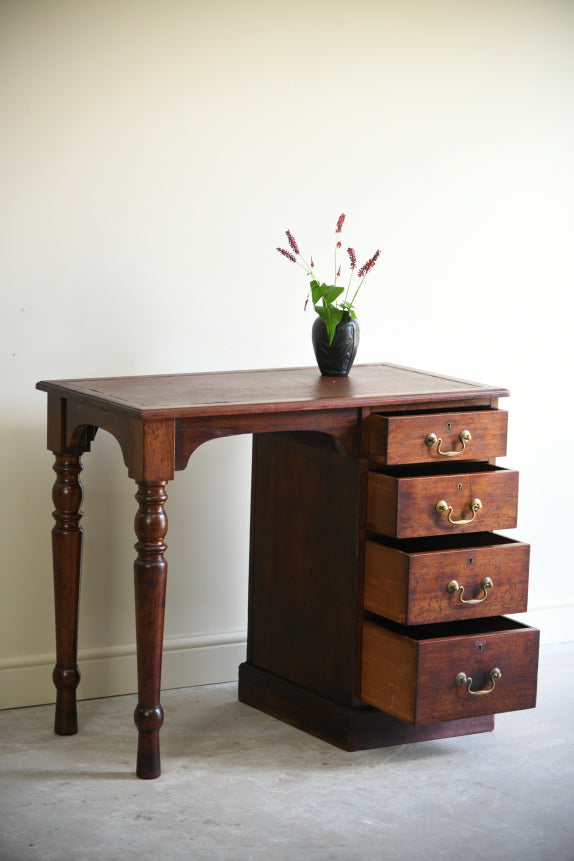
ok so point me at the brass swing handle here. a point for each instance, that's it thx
(442, 507)
(432, 439)
(453, 587)
(462, 679)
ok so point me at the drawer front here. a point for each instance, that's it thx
(435, 677)
(418, 582)
(408, 506)
(433, 437)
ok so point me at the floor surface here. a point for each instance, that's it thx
(237, 784)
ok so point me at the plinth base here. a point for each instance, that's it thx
(349, 728)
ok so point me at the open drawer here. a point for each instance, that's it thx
(444, 672)
(428, 437)
(423, 580)
(441, 499)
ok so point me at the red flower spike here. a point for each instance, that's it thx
(340, 223)
(339, 272)
(287, 254)
(292, 241)
(338, 244)
(353, 256)
(312, 264)
(368, 265)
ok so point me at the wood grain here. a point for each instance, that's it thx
(179, 395)
(303, 564)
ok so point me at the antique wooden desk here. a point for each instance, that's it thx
(375, 578)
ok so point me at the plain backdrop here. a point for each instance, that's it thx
(153, 154)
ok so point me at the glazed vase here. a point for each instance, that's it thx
(336, 359)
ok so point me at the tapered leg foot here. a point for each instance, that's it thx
(66, 680)
(150, 576)
(148, 722)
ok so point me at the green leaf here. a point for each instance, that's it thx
(331, 293)
(331, 317)
(327, 293)
(317, 291)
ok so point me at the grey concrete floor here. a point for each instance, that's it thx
(237, 784)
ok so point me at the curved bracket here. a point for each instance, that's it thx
(83, 436)
(148, 446)
(340, 426)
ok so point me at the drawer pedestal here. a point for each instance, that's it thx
(351, 570)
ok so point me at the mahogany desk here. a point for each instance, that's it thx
(322, 426)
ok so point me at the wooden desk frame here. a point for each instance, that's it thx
(159, 422)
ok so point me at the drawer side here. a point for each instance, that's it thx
(386, 581)
(382, 501)
(389, 671)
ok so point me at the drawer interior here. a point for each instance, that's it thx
(450, 630)
(440, 543)
(436, 410)
(419, 470)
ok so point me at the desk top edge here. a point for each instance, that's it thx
(268, 390)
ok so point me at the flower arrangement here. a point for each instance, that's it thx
(325, 296)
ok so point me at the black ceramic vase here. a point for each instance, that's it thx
(336, 359)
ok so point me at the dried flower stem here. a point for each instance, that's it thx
(364, 271)
(326, 298)
(353, 259)
(338, 229)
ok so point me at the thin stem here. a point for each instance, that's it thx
(348, 287)
(304, 265)
(357, 290)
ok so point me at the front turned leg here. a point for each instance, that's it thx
(67, 536)
(150, 574)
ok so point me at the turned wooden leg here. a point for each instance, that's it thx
(67, 536)
(150, 574)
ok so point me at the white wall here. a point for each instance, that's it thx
(152, 156)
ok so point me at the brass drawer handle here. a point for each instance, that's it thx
(442, 507)
(432, 439)
(462, 679)
(453, 587)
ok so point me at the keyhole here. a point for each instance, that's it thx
(480, 647)
(448, 425)
(459, 488)
(470, 560)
